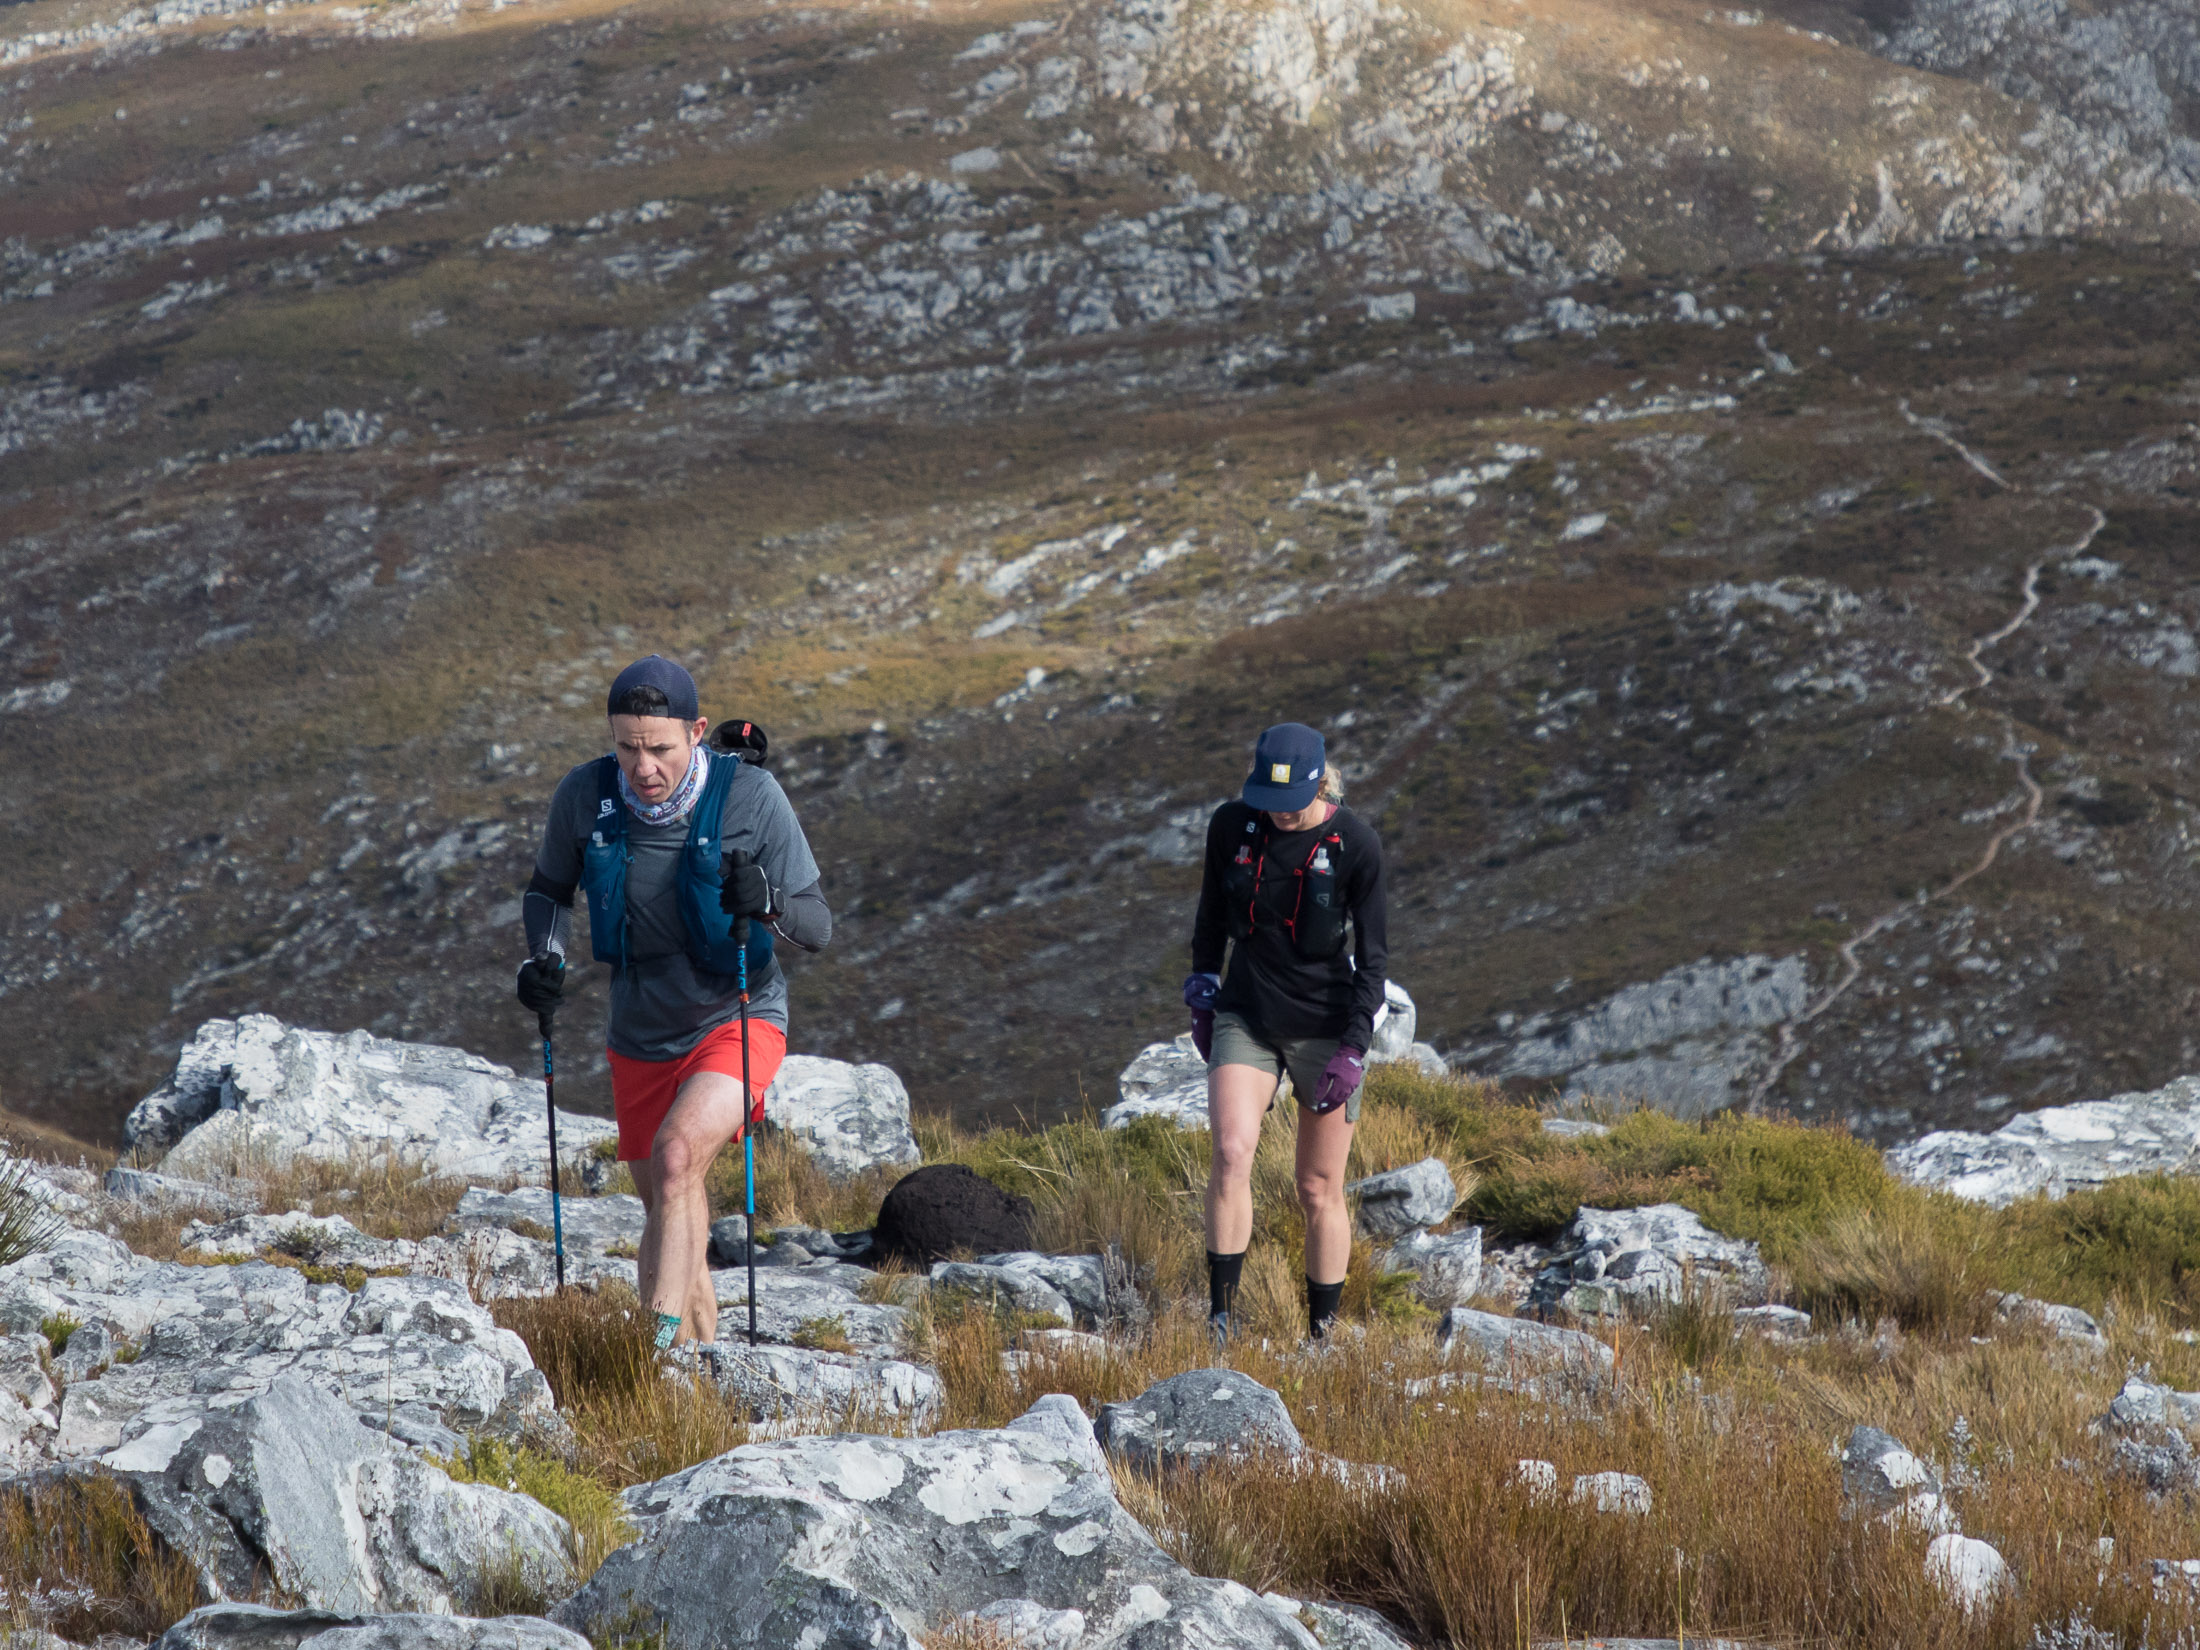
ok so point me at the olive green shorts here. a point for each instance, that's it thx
(1299, 1058)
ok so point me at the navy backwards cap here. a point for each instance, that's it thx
(667, 678)
(1288, 765)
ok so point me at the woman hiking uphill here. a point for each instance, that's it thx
(675, 844)
(1294, 887)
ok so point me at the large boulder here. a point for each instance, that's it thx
(1166, 1080)
(881, 1542)
(2060, 1149)
(592, 1224)
(780, 1383)
(1404, 1200)
(263, 1627)
(289, 1490)
(1193, 1418)
(943, 1207)
(795, 1304)
(1616, 1259)
(257, 1090)
(852, 1118)
(412, 1344)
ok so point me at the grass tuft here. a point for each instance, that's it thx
(78, 1559)
(631, 1421)
(599, 1520)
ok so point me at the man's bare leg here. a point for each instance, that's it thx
(673, 1267)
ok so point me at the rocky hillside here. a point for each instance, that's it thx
(300, 1374)
(1718, 475)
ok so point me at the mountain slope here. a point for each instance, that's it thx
(1013, 407)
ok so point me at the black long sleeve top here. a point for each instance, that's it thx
(1280, 992)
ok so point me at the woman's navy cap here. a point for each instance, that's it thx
(667, 678)
(1288, 765)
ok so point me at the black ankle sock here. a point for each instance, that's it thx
(1222, 1282)
(1321, 1305)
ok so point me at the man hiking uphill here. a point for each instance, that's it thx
(674, 844)
(1294, 885)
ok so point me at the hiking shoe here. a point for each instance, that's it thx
(1218, 1326)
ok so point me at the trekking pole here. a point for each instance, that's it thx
(550, 1100)
(748, 1119)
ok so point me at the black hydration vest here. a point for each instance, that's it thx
(1306, 901)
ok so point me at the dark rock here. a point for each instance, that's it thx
(945, 1207)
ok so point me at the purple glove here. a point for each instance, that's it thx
(1340, 1081)
(1203, 1032)
(1199, 997)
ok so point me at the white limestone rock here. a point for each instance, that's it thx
(880, 1541)
(1200, 1416)
(1522, 1347)
(1399, 1201)
(255, 1090)
(2060, 1149)
(1447, 1268)
(851, 1117)
(287, 1487)
(263, 1627)
(592, 1224)
(1687, 1042)
(1612, 1492)
(782, 1383)
(1395, 1021)
(1612, 1260)
(1165, 1080)
(205, 1333)
(1972, 1573)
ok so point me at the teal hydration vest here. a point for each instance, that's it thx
(710, 941)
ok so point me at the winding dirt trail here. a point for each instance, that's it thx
(1791, 1033)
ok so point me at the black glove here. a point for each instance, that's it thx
(743, 889)
(542, 985)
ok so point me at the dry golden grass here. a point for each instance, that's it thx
(1745, 1487)
(77, 1557)
(791, 1189)
(631, 1423)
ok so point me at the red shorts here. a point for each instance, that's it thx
(642, 1091)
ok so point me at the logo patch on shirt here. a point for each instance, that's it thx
(1279, 773)
(607, 805)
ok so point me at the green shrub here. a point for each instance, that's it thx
(1926, 1261)
(1767, 1179)
(2137, 1238)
